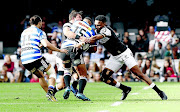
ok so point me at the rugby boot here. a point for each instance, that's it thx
(50, 95)
(67, 93)
(74, 90)
(125, 93)
(82, 97)
(163, 95)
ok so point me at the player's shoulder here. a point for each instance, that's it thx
(67, 25)
(38, 31)
(26, 31)
(106, 30)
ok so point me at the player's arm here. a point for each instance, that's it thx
(93, 39)
(68, 33)
(103, 33)
(47, 44)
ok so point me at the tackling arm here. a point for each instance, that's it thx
(47, 44)
(93, 39)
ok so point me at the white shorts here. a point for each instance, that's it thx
(116, 62)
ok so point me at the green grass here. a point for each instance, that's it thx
(29, 97)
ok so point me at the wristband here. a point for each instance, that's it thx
(77, 37)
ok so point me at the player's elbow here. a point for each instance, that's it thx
(45, 43)
(69, 34)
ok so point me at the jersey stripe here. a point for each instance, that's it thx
(30, 44)
(36, 40)
(88, 34)
(29, 53)
(31, 58)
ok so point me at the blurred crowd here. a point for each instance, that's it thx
(143, 48)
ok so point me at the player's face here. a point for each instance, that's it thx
(99, 25)
(39, 24)
(78, 17)
(87, 21)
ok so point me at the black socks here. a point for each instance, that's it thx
(67, 79)
(156, 89)
(74, 84)
(82, 84)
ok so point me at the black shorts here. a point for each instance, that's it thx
(75, 57)
(40, 64)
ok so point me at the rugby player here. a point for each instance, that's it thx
(73, 87)
(120, 55)
(32, 39)
(74, 57)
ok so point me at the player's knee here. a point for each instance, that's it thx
(51, 72)
(76, 62)
(38, 74)
(67, 71)
(67, 63)
(106, 74)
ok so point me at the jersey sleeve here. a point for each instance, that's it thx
(67, 25)
(42, 35)
(105, 31)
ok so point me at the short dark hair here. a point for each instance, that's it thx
(101, 18)
(102, 59)
(88, 19)
(34, 20)
(74, 13)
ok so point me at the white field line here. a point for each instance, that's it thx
(134, 93)
(104, 111)
(117, 103)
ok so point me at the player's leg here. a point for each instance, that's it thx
(35, 67)
(106, 77)
(80, 68)
(113, 65)
(44, 84)
(132, 65)
(65, 63)
(52, 75)
(75, 83)
(42, 81)
(61, 85)
(135, 70)
(67, 80)
(44, 66)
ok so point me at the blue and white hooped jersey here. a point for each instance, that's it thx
(80, 28)
(30, 44)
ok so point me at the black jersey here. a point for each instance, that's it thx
(111, 41)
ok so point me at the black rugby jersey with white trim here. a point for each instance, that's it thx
(111, 41)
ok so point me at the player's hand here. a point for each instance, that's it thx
(64, 51)
(79, 45)
(91, 40)
(83, 39)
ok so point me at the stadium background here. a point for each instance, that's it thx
(21, 97)
(133, 13)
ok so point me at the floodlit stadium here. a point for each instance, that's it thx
(64, 56)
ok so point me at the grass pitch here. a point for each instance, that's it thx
(29, 97)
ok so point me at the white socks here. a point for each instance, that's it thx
(117, 84)
(152, 85)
